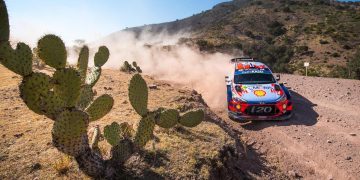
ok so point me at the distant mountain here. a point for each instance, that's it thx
(282, 33)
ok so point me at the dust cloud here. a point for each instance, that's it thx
(160, 56)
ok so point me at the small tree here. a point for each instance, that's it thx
(354, 66)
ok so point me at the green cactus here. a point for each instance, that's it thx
(4, 23)
(51, 49)
(122, 151)
(101, 56)
(18, 60)
(192, 119)
(67, 98)
(85, 98)
(69, 130)
(168, 118)
(83, 62)
(138, 94)
(137, 68)
(62, 97)
(112, 134)
(100, 107)
(134, 63)
(144, 131)
(93, 76)
(67, 84)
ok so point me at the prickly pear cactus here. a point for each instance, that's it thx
(62, 97)
(51, 49)
(168, 118)
(4, 23)
(138, 96)
(67, 98)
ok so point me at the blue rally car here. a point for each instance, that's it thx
(253, 93)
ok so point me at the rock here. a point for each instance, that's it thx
(294, 174)
(18, 135)
(352, 134)
(329, 141)
(348, 158)
(35, 167)
(125, 102)
(153, 86)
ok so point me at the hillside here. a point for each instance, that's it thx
(320, 142)
(191, 153)
(284, 34)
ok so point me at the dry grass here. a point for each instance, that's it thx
(63, 165)
(26, 136)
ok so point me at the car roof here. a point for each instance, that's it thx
(246, 67)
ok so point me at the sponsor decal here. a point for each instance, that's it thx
(259, 93)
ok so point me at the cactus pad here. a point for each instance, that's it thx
(192, 118)
(112, 134)
(83, 61)
(52, 105)
(67, 84)
(134, 63)
(69, 131)
(101, 56)
(100, 107)
(4, 23)
(168, 118)
(138, 69)
(85, 98)
(144, 131)
(138, 94)
(33, 88)
(122, 152)
(126, 130)
(18, 60)
(51, 49)
(93, 76)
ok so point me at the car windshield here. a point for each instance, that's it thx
(254, 78)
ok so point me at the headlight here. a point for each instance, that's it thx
(237, 99)
(283, 98)
(238, 106)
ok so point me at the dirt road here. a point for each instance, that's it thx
(322, 140)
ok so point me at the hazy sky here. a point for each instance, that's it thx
(92, 19)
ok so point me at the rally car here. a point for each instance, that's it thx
(253, 93)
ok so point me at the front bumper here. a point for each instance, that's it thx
(243, 117)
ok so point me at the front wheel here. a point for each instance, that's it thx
(238, 120)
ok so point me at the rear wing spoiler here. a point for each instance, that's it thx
(242, 59)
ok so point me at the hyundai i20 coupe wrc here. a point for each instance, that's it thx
(253, 93)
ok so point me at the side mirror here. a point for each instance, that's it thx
(227, 80)
(278, 77)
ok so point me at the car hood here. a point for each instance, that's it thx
(257, 92)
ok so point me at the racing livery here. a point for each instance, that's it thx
(253, 93)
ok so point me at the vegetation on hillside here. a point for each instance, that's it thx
(284, 33)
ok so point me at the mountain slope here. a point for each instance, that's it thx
(322, 32)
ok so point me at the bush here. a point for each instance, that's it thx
(322, 41)
(249, 34)
(354, 66)
(347, 47)
(204, 44)
(335, 54)
(276, 28)
(302, 48)
(287, 9)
